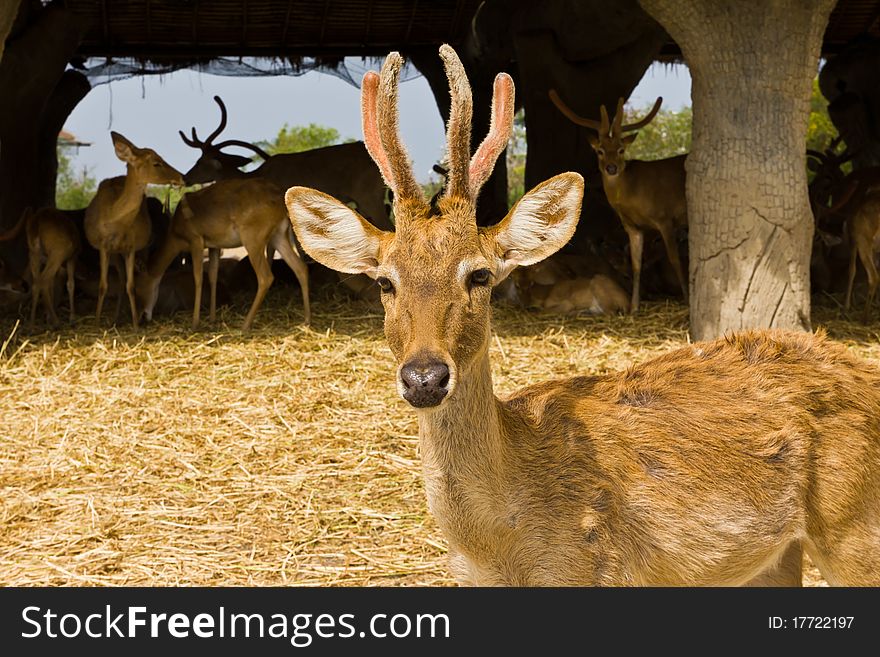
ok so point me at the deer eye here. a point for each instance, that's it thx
(601, 152)
(480, 277)
(385, 284)
(620, 151)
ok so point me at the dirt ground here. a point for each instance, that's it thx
(166, 457)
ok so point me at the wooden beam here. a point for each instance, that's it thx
(456, 18)
(195, 23)
(106, 22)
(370, 4)
(244, 20)
(149, 20)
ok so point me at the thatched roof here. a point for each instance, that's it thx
(202, 29)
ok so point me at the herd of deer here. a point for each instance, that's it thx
(718, 463)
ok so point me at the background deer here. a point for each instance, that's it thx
(644, 194)
(53, 242)
(344, 171)
(117, 221)
(231, 213)
(704, 466)
(863, 229)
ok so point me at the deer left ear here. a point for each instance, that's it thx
(630, 138)
(539, 224)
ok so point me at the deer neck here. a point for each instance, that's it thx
(132, 196)
(463, 455)
(616, 186)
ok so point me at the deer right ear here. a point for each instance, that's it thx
(334, 234)
(125, 150)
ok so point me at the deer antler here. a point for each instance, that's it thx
(195, 142)
(458, 131)
(572, 116)
(243, 144)
(643, 122)
(405, 186)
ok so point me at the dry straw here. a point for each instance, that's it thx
(165, 457)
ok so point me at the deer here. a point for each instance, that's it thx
(711, 464)
(53, 242)
(246, 212)
(343, 170)
(554, 287)
(644, 194)
(863, 229)
(117, 221)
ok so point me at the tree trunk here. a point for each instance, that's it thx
(8, 12)
(37, 95)
(752, 64)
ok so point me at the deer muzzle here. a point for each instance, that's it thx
(424, 382)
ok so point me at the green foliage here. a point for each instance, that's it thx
(516, 160)
(294, 139)
(667, 135)
(820, 130)
(74, 187)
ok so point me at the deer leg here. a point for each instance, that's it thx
(270, 253)
(129, 286)
(636, 244)
(213, 270)
(71, 270)
(119, 264)
(300, 270)
(667, 232)
(102, 285)
(854, 250)
(866, 255)
(34, 262)
(47, 282)
(257, 255)
(197, 251)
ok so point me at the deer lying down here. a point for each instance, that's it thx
(552, 287)
(703, 466)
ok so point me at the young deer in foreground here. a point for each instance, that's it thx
(230, 213)
(709, 465)
(644, 194)
(117, 221)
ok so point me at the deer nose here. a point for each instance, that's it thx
(424, 382)
(611, 169)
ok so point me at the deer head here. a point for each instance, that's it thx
(145, 164)
(611, 141)
(214, 164)
(436, 271)
(828, 174)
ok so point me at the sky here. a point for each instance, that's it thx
(149, 111)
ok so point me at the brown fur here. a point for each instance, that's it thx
(647, 195)
(117, 220)
(712, 464)
(230, 213)
(552, 286)
(53, 242)
(864, 238)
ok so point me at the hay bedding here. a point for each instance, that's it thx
(164, 457)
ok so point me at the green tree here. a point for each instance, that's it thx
(516, 160)
(297, 138)
(667, 135)
(74, 186)
(820, 130)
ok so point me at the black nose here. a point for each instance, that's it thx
(424, 382)
(611, 169)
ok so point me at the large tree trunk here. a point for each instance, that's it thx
(752, 63)
(37, 95)
(8, 12)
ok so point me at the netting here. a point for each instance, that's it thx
(349, 69)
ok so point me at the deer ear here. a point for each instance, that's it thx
(334, 234)
(539, 224)
(125, 150)
(235, 161)
(630, 138)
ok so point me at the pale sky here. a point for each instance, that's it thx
(150, 111)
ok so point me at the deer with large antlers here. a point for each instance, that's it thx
(117, 221)
(646, 195)
(228, 214)
(708, 465)
(344, 171)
